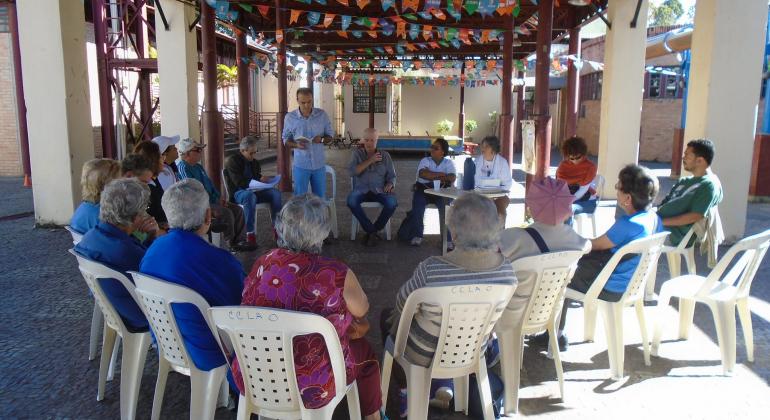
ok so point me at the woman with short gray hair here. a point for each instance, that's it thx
(186, 205)
(297, 278)
(475, 260)
(111, 242)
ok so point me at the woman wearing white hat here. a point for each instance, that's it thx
(169, 174)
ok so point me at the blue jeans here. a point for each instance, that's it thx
(389, 204)
(420, 200)
(250, 199)
(315, 177)
(582, 207)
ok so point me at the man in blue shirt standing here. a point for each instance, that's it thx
(304, 130)
(183, 257)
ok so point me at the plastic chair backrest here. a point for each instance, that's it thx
(330, 170)
(155, 297)
(741, 274)
(92, 271)
(468, 314)
(76, 236)
(263, 342)
(599, 182)
(649, 249)
(553, 270)
(224, 184)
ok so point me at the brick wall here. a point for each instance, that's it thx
(10, 154)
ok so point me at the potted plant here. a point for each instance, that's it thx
(470, 125)
(444, 127)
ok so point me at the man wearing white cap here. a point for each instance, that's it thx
(224, 212)
(167, 145)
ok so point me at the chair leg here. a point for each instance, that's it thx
(686, 313)
(724, 320)
(482, 381)
(554, 344)
(244, 411)
(97, 319)
(589, 321)
(510, 347)
(108, 342)
(593, 224)
(204, 390)
(689, 259)
(387, 230)
(748, 334)
(674, 264)
(354, 403)
(643, 327)
(661, 308)
(223, 399)
(387, 366)
(160, 387)
(613, 325)
(114, 359)
(353, 228)
(134, 354)
(461, 393)
(418, 394)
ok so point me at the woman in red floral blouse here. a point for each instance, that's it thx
(296, 277)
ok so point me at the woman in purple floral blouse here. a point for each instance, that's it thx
(296, 277)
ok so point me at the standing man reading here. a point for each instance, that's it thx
(373, 180)
(304, 130)
(693, 196)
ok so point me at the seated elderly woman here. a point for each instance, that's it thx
(183, 257)
(476, 228)
(493, 170)
(151, 152)
(579, 173)
(296, 277)
(550, 203)
(121, 210)
(636, 189)
(95, 175)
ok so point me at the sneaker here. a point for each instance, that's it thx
(243, 246)
(251, 238)
(492, 354)
(450, 246)
(416, 241)
(541, 340)
(402, 398)
(443, 398)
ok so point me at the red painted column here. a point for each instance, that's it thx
(241, 52)
(371, 96)
(521, 90)
(213, 126)
(461, 116)
(21, 105)
(542, 74)
(283, 105)
(105, 90)
(573, 82)
(506, 106)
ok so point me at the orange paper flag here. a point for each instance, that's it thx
(438, 14)
(409, 4)
(427, 32)
(485, 36)
(294, 16)
(372, 34)
(388, 50)
(328, 19)
(362, 3)
(401, 29)
(433, 45)
(343, 2)
(342, 34)
(411, 47)
(464, 36)
(491, 65)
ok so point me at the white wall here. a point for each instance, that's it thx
(423, 106)
(268, 93)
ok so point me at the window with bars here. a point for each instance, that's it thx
(663, 83)
(4, 24)
(361, 98)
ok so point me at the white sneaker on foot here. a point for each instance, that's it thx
(416, 241)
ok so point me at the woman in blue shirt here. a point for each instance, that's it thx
(95, 175)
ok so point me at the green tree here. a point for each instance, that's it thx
(666, 14)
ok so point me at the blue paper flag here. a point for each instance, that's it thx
(487, 7)
(414, 30)
(455, 43)
(386, 4)
(313, 18)
(345, 22)
(357, 34)
(425, 15)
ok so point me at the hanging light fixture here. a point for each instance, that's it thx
(580, 3)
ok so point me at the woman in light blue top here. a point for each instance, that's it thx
(95, 175)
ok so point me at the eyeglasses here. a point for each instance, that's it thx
(575, 157)
(197, 149)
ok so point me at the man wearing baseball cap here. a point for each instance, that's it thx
(166, 144)
(224, 212)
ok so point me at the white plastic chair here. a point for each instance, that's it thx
(262, 339)
(649, 250)
(580, 220)
(156, 297)
(722, 292)
(468, 314)
(551, 274)
(257, 208)
(674, 255)
(331, 202)
(366, 205)
(135, 345)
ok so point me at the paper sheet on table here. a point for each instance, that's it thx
(255, 185)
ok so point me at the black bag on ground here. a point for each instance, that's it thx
(474, 399)
(408, 228)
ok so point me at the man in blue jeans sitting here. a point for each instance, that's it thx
(304, 130)
(373, 180)
(240, 170)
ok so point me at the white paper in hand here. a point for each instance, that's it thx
(255, 185)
